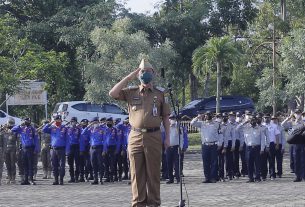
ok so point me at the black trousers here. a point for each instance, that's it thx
(97, 161)
(73, 158)
(28, 162)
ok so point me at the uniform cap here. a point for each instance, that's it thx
(117, 119)
(248, 112)
(103, 119)
(145, 64)
(109, 119)
(57, 117)
(11, 121)
(74, 119)
(298, 111)
(84, 121)
(27, 119)
(94, 119)
(232, 113)
(218, 115)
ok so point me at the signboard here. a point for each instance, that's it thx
(30, 93)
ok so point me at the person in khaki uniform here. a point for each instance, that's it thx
(148, 107)
(10, 154)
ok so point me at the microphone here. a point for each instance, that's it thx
(162, 73)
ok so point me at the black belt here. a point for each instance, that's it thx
(146, 130)
(58, 148)
(96, 146)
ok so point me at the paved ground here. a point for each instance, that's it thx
(281, 192)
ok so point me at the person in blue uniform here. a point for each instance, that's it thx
(111, 150)
(96, 134)
(122, 156)
(73, 134)
(30, 146)
(184, 147)
(60, 147)
(126, 131)
(85, 163)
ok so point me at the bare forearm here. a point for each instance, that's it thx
(115, 91)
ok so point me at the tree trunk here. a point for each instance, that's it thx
(207, 85)
(193, 86)
(218, 65)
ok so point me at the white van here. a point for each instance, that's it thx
(4, 118)
(86, 110)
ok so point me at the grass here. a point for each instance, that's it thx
(194, 141)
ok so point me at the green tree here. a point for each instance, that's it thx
(219, 52)
(119, 51)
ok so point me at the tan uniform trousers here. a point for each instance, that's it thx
(145, 159)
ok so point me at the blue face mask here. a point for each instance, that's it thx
(146, 77)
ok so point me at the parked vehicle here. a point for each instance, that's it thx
(4, 117)
(227, 104)
(87, 110)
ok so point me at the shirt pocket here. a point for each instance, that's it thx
(135, 105)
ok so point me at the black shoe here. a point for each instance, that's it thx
(213, 181)
(297, 180)
(61, 182)
(107, 180)
(25, 183)
(91, 177)
(258, 180)
(81, 180)
(280, 176)
(55, 182)
(72, 180)
(250, 181)
(101, 182)
(115, 179)
(94, 182)
(170, 182)
(206, 181)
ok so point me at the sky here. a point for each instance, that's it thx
(142, 6)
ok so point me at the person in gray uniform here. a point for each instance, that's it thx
(10, 154)
(45, 141)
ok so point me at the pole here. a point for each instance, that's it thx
(273, 71)
(176, 111)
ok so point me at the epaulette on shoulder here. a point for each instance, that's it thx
(160, 89)
(131, 88)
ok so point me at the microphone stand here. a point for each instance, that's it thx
(176, 111)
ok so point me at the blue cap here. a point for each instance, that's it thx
(74, 119)
(57, 117)
(94, 119)
(110, 119)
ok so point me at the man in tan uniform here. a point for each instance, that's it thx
(148, 107)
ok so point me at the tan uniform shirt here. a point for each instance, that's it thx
(146, 106)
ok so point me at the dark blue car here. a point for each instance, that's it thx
(227, 104)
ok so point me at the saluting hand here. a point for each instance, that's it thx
(133, 75)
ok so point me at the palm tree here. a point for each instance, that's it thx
(219, 51)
